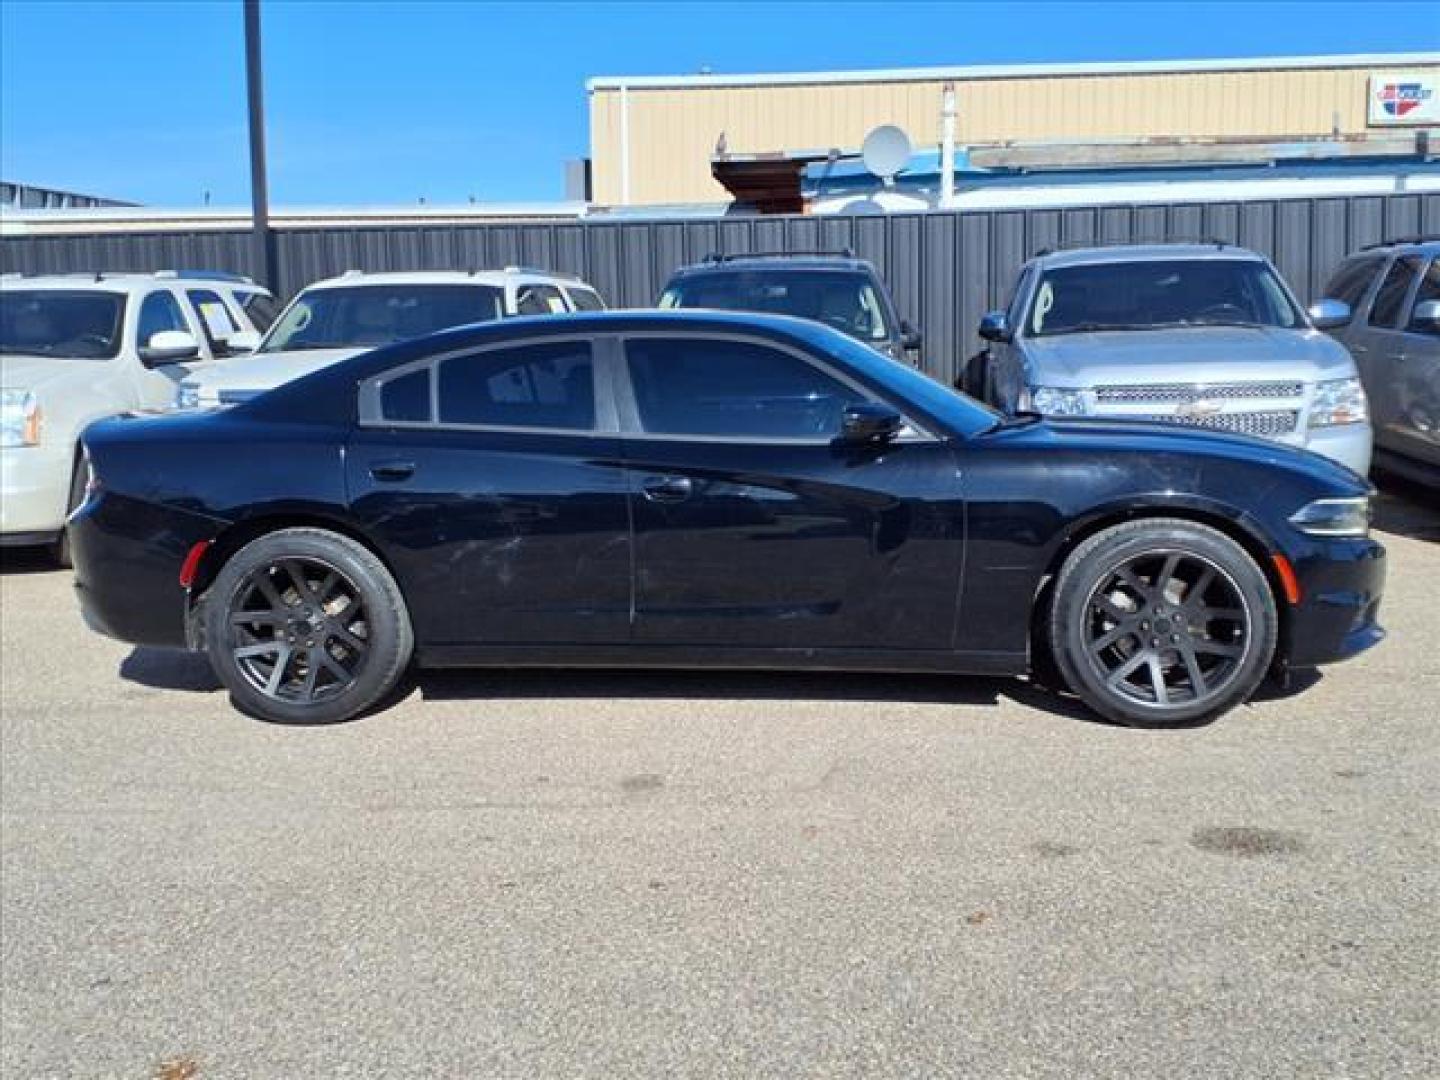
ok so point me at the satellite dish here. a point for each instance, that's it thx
(886, 151)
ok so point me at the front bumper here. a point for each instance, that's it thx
(34, 487)
(1341, 582)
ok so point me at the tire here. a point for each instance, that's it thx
(1162, 623)
(60, 547)
(320, 608)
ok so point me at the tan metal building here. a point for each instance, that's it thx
(652, 137)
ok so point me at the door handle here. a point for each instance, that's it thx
(667, 489)
(392, 470)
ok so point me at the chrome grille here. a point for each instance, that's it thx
(1195, 391)
(1265, 424)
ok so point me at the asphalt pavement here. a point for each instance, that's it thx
(558, 874)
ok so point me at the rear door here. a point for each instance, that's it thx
(755, 529)
(1415, 426)
(1376, 345)
(492, 477)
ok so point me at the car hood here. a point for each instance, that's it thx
(21, 372)
(264, 371)
(1210, 354)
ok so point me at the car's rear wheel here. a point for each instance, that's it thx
(1162, 623)
(307, 626)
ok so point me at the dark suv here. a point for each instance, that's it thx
(833, 288)
(1393, 291)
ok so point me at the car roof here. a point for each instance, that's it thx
(1123, 253)
(492, 278)
(1423, 245)
(721, 264)
(126, 282)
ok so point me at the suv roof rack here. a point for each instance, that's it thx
(206, 275)
(1418, 239)
(561, 274)
(1075, 245)
(723, 257)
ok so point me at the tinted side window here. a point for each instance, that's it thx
(260, 309)
(538, 386)
(1352, 279)
(1385, 311)
(538, 300)
(160, 311)
(586, 300)
(406, 398)
(1429, 290)
(692, 386)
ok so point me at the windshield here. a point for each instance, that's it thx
(846, 301)
(1151, 294)
(370, 315)
(61, 322)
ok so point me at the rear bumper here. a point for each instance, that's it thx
(1341, 582)
(127, 557)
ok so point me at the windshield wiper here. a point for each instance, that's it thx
(1094, 327)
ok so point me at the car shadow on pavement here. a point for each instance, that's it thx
(27, 560)
(169, 669)
(1405, 508)
(176, 669)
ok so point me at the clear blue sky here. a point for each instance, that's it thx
(388, 102)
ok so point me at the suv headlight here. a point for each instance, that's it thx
(1054, 401)
(186, 397)
(19, 418)
(1339, 401)
(1334, 517)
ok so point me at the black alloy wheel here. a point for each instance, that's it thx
(299, 630)
(1162, 623)
(305, 625)
(1167, 628)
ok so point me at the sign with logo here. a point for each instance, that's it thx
(1399, 98)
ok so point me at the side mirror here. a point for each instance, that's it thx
(241, 342)
(169, 346)
(995, 326)
(1426, 316)
(910, 338)
(870, 422)
(1328, 314)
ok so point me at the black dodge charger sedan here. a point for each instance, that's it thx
(687, 489)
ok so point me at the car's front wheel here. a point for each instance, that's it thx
(1162, 623)
(307, 626)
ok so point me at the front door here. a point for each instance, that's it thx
(755, 528)
(495, 485)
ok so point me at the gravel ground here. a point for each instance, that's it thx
(523, 874)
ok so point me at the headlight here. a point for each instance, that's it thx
(1053, 401)
(1334, 517)
(19, 418)
(1339, 401)
(187, 397)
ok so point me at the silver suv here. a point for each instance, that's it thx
(1206, 335)
(1394, 292)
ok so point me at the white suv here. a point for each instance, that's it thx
(78, 347)
(341, 317)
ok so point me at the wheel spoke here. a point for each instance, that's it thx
(277, 673)
(1192, 667)
(346, 638)
(1138, 587)
(1123, 671)
(1111, 636)
(1206, 614)
(302, 587)
(257, 618)
(334, 666)
(263, 648)
(271, 594)
(1196, 595)
(312, 674)
(1157, 680)
(323, 592)
(1167, 573)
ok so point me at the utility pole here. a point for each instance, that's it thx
(263, 241)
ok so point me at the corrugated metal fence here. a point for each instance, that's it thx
(946, 269)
